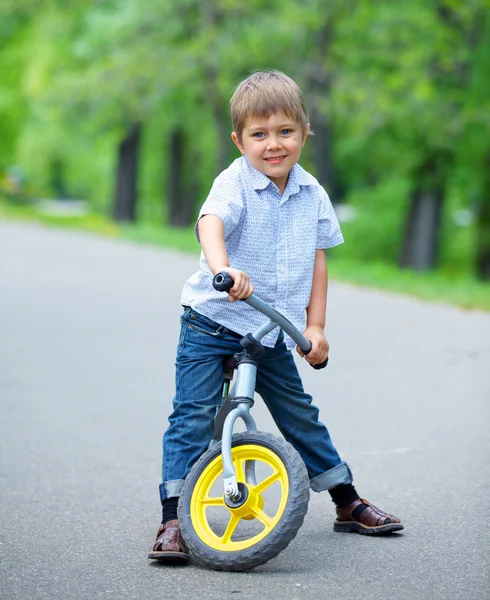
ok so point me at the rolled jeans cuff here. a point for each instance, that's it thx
(171, 489)
(331, 478)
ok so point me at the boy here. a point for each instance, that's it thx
(266, 222)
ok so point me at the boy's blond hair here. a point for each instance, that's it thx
(264, 93)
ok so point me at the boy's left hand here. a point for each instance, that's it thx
(319, 345)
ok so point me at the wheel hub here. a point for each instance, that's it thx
(248, 503)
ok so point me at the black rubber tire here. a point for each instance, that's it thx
(279, 537)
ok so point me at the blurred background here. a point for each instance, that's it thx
(114, 116)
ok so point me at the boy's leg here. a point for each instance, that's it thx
(199, 377)
(279, 384)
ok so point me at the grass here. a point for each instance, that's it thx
(460, 290)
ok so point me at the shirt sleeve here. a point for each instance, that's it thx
(225, 201)
(328, 233)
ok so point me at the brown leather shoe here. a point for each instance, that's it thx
(370, 521)
(169, 545)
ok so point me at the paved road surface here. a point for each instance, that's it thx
(88, 329)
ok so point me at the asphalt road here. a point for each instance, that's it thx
(88, 329)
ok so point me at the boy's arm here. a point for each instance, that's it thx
(212, 238)
(317, 308)
(316, 312)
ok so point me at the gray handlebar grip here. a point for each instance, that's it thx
(222, 282)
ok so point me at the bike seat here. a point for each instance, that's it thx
(229, 363)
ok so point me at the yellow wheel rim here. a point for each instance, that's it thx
(253, 508)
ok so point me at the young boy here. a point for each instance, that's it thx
(266, 222)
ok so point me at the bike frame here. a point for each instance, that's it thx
(243, 393)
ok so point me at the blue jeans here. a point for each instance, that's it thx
(199, 379)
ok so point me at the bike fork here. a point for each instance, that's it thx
(243, 392)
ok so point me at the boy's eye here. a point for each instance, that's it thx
(286, 131)
(259, 134)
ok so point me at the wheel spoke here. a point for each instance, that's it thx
(218, 501)
(268, 481)
(230, 528)
(262, 517)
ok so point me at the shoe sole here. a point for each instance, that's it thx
(353, 527)
(170, 557)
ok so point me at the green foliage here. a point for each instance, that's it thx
(398, 82)
(378, 224)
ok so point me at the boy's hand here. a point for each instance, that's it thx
(319, 345)
(242, 288)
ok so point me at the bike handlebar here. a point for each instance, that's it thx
(223, 282)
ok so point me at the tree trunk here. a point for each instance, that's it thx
(483, 227)
(221, 119)
(322, 147)
(420, 247)
(211, 19)
(180, 196)
(57, 183)
(125, 199)
(421, 241)
(319, 84)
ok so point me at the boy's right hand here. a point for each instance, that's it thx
(242, 287)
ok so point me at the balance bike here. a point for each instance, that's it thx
(246, 497)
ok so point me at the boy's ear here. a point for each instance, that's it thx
(306, 134)
(234, 137)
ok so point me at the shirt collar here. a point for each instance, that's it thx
(259, 180)
(297, 177)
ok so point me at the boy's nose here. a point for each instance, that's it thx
(273, 143)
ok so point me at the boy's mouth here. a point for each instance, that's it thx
(275, 159)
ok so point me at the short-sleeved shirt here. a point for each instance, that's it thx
(269, 236)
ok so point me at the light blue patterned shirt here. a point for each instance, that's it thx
(272, 238)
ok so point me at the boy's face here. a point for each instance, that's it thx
(272, 146)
